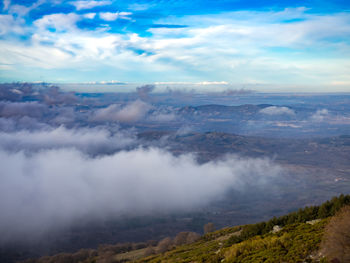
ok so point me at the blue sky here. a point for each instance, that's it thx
(286, 44)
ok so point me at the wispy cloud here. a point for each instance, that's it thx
(108, 16)
(88, 4)
(23, 10)
(6, 4)
(90, 141)
(59, 22)
(268, 47)
(10, 24)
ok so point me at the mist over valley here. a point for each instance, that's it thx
(81, 169)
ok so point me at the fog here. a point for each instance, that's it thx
(15, 109)
(131, 112)
(144, 91)
(46, 190)
(91, 141)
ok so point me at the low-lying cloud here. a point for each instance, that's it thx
(47, 94)
(21, 123)
(144, 91)
(15, 109)
(319, 115)
(131, 112)
(49, 189)
(91, 141)
(274, 110)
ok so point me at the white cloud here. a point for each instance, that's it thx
(108, 16)
(246, 48)
(131, 112)
(162, 117)
(9, 24)
(319, 115)
(37, 56)
(274, 110)
(60, 22)
(287, 124)
(80, 5)
(50, 189)
(22, 10)
(6, 4)
(89, 141)
(140, 7)
(16, 109)
(90, 15)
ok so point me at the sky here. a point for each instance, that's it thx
(284, 44)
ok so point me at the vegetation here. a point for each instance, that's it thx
(312, 234)
(336, 242)
(325, 210)
(295, 243)
(208, 228)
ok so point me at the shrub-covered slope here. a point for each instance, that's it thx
(295, 237)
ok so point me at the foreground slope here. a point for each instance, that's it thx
(295, 237)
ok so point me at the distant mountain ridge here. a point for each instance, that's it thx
(327, 152)
(214, 109)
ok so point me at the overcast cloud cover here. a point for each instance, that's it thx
(249, 42)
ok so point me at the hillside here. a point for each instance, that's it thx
(307, 235)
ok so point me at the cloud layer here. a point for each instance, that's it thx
(66, 157)
(53, 176)
(91, 141)
(102, 40)
(275, 110)
(131, 112)
(51, 189)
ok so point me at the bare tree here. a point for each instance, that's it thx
(192, 237)
(106, 257)
(149, 251)
(180, 238)
(209, 228)
(164, 245)
(336, 241)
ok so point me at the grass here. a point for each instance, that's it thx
(131, 255)
(294, 243)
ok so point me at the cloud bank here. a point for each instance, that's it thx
(18, 109)
(50, 189)
(274, 110)
(131, 112)
(91, 141)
